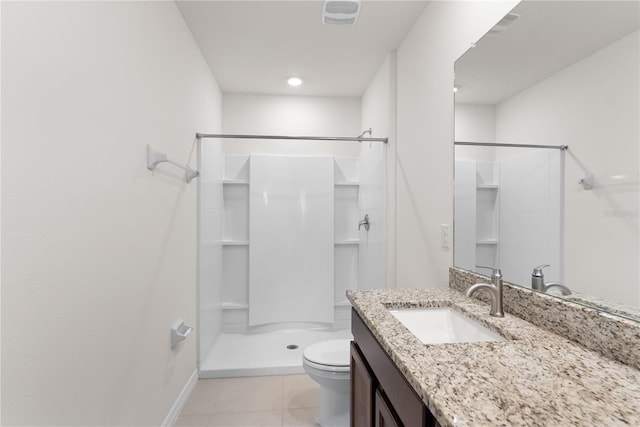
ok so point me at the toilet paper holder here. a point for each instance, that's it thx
(179, 332)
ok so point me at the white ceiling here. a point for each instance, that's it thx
(252, 46)
(549, 36)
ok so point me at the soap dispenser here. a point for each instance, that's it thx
(537, 278)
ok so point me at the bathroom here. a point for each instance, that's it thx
(99, 254)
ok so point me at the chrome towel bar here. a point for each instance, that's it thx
(155, 157)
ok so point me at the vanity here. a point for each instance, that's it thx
(526, 149)
(533, 377)
(380, 394)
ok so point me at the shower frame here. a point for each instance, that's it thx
(203, 136)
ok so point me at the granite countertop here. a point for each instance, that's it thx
(535, 378)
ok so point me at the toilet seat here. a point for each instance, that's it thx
(331, 355)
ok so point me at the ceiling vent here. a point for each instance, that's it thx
(340, 12)
(504, 24)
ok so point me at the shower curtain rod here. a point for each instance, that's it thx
(500, 144)
(311, 138)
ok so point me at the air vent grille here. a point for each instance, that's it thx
(504, 23)
(340, 12)
(348, 7)
(339, 21)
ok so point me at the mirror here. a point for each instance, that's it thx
(553, 74)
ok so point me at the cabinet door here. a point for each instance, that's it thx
(384, 415)
(362, 390)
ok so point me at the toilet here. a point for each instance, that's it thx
(327, 363)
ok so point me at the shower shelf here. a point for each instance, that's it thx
(234, 306)
(235, 242)
(347, 184)
(487, 187)
(235, 182)
(487, 242)
(347, 242)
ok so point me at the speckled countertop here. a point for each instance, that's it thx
(535, 378)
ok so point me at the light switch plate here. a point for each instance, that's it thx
(445, 235)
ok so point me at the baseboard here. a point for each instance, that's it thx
(175, 410)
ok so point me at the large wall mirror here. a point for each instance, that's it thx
(553, 74)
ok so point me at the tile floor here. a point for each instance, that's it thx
(283, 401)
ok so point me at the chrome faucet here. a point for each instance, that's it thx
(495, 292)
(563, 289)
(537, 282)
(365, 222)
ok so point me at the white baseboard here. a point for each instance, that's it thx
(175, 410)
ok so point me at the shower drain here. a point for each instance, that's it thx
(292, 347)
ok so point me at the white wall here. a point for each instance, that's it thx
(291, 115)
(593, 106)
(475, 123)
(0, 211)
(425, 128)
(98, 256)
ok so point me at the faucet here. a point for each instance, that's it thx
(563, 289)
(495, 291)
(365, 222)
(537, 282)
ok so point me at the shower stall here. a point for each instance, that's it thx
(282, 237)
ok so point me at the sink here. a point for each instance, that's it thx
(443, 325)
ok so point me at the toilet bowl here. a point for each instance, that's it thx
(327, 363)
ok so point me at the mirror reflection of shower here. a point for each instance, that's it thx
(513, 87)
(508, 209)
(280, 244)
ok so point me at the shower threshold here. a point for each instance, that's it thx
(270, 353)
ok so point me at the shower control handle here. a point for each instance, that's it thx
(365, 222)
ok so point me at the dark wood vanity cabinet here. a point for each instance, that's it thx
(363, 389)
(384, 416)
(380, 395)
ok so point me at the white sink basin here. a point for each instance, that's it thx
(443, 325)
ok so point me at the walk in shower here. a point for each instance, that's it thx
(281, 239)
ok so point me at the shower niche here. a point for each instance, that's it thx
(290, 241)
(477, 213)
(235, 232)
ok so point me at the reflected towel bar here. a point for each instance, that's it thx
(155, 157)
(589, 181)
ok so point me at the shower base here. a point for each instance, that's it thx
(269, 353)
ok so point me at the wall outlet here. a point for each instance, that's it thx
(445, 235)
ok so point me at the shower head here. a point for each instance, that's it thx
(368, 131)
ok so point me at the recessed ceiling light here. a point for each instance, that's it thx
(294, 81)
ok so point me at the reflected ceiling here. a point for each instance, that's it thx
(569, 30)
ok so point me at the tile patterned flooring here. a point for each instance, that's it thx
(282, 400)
